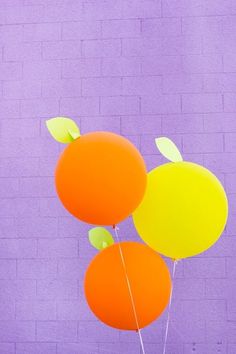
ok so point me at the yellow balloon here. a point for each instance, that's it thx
(184, 210)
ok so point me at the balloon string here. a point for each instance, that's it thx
(129, 288)
(169, 307)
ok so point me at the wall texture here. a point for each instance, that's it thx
(142, 68)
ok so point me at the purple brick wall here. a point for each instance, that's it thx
(142, 68)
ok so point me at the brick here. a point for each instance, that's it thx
(53, 248)
(182, 83)
(81, 106)
(11, 34)
(7, 348)
(102, 10)
(101, 87)
(229, 102)
(202, 63)
(36, 269)
(132, 9)
(78, 348)
(61, 12)
(182, 8)
(22, 331)
(51, 207)
(42, 32)
(220, 44)
(201, 103)
(44, 107)
(14, 167)
(157, 65)
(119, 105)
(203, 143)
(230, 182)
(145, 123)
(57, 289)
(219, 122)
(228, 25)
(203, 25)
(17, 248)
(121, 66)
(21, 89)
(142, 85)
(84, 67)
(220, 82)
(10, 108)
(61, 88)
(23, 14)
(230, 144)
(17, 289)
(42, 70)
(88, 332)
(181, 45)
(101, 48)
(231, 348)
(36, 348)
(74, 310)
(8, 227)
(205, 268)
(161, 27)
(61, 50)
(61, 331)
(72, 268)
(165, 104)
(31, 147)
(22, 51)
(36, 310)
(135, 47)
(10, 71)
(121, 28)
(37, 227)
(9, 188)
(37, 187)
(7, 310)
(20, 127)
(81, 30)
(220, 331)
(222, 163)
(7, 269)
(101, 123)
(201, 310)
(207, 348)
(47, 165)
(182, 123)
(189, 289)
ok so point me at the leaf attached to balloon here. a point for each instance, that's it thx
(168, 149)
(100, 238)
(63, 129)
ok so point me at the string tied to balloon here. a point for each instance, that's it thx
(169, 307)
(116, 229)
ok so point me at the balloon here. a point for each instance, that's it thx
(107, 291)
(184, 210)
(101, 178)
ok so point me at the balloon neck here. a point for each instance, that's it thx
(114, 226)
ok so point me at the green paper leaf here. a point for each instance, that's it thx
(63, 129)
(100, 238)
(168, 149)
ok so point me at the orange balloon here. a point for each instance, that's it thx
(107, 291)
(101, 178)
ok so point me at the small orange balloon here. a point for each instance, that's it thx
(101, 178)
(106, 287)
